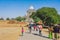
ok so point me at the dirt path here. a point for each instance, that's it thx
(34, 36)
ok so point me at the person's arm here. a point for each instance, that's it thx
(59, 30)
(52, 29)
(48, 28)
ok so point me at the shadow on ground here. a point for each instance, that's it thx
(40, 36)
(28, 32)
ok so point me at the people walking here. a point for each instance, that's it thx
(22, 31)
(40, 29)
(50, 28)
(34, 26)
(56, 30)
(30, 28)
(59, 30)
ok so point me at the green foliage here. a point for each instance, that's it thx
(47, 15)
(59, 18)
(1, 18)
(23, 18)
(35, 18)
(18, 18)
(12, 18)
(7, 18)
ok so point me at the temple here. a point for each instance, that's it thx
(29, 13)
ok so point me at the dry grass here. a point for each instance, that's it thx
(9, 25)
(9, 31)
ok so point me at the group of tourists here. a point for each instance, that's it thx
(36, 27)
(53, 30)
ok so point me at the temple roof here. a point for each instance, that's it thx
(31, 7)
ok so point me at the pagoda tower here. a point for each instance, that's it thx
(29, 13)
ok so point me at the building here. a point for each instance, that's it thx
(29, 13)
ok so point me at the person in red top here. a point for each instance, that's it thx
(22, 31)
(34, 26)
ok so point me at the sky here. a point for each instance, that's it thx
(14, 8)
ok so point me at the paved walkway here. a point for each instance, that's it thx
(34, 36)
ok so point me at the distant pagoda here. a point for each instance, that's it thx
(29, 12)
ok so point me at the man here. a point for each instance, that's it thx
(30, 27)
(59, 31)
(56, 30)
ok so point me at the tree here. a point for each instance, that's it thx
(1, 18)
(59, 18)
(47, 15)
(18, 18)
(7, 18)
(12, 18)
(35, 18)
(23, 18)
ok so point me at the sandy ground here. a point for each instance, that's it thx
(13, 32)
(10, 33)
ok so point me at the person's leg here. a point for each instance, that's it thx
(55, 36)
(30, 29)
(58, 35)
(22, 33)
(40, 32)
(50, 35)
(36, 29)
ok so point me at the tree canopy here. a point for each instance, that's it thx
(8, 18)
(20, 18)
(47, 15)
(1, 18)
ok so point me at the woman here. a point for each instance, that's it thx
(40, 29)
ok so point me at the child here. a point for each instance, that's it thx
(22, 31)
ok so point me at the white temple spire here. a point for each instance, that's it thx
(31, 7)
